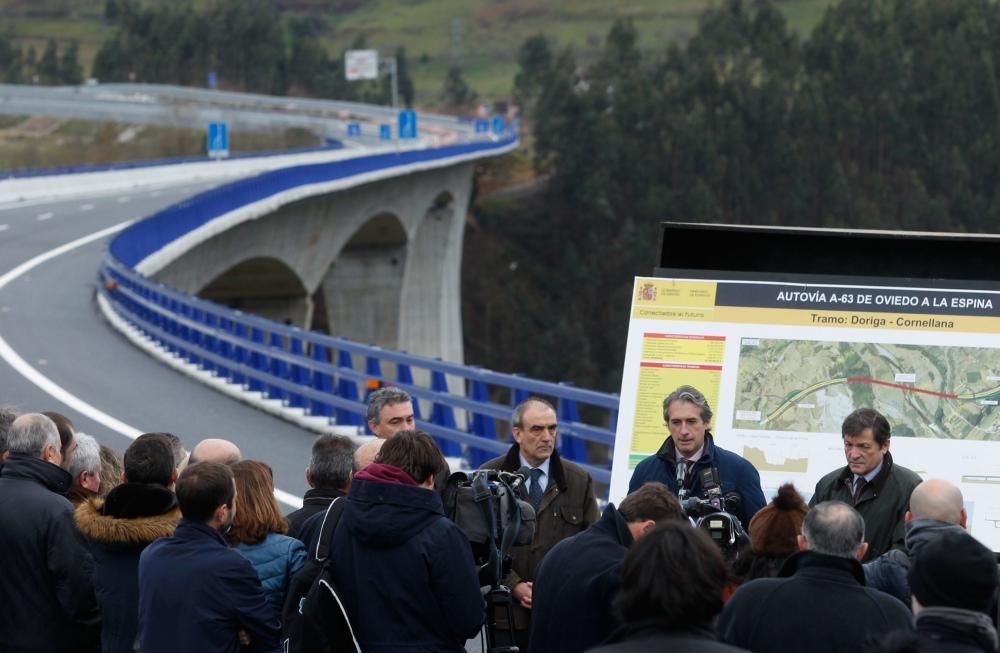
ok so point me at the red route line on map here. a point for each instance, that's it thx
(859, 379)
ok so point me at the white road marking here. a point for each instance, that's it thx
(124, 199)
(45, 216)
(4, 227)
(87, 207)
(56, 391)
(155, 193)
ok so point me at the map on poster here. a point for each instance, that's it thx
(783, 364)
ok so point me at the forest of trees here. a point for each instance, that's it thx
(886, 116)
(249, 44)
(24, 66)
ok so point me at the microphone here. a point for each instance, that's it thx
(682, 467)
(520, 476)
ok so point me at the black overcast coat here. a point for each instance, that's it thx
(47, 586)
(820, 603)
(575, 587)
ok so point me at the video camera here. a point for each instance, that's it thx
(486, 506)
(716, 512)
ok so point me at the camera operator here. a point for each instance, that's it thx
(690, 451)
(562, 494)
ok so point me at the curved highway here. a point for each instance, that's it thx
(51, 331)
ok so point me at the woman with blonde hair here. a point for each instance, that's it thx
(258, 531)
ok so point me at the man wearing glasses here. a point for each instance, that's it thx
(690, 449)
(562, 494)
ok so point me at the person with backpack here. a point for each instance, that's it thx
(402, 570)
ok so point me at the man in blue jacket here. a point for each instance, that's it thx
(195, 593)
(690, 449)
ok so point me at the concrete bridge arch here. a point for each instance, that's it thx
(377, 262)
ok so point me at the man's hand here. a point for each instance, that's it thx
(522, 594)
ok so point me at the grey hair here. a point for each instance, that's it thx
(332, 461)
(31, 433)
(87, 457)
(834, 529)
(517, 416)
(690, 394)
(7, 417)
(384, 397)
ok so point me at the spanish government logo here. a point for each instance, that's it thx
(647, 293)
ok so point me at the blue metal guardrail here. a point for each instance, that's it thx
(321, 374)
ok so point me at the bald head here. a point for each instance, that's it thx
(937, 499)
(365, 455)
(215, 450)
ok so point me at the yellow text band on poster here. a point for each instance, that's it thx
(659, 292)
(682, 348)
(835, 319)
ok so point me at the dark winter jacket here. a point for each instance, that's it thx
(404, 570)
(821, 604)
(315, 501)
(567, 508)
(647, 636)
(575, 587)
(47, 584)
(196, 594)
(311, 529)
(883, 502)
(957, 631)
(275, 559)
(735, 475)
(117, 531)
(888, 572)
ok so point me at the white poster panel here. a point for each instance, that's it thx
(361, 64)
(783, 364)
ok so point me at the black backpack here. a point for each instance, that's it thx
(314, 616)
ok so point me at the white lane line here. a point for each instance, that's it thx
(4, 227)
(155, 193)
(124, 199)
(50, 387)
(87, 207)
(45, 216)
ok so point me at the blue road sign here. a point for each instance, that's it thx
(499, 125)
(482, 126)
(408, 124)
(353, 129)
(218, 139)
(213, 79)
(385, 132)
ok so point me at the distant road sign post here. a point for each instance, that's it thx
(353, 129)
(218, 140)
(364, 64)
(408, 124)
(213, 79)
(482, 126)
(499, 125)
(385, 132)
(360, 64)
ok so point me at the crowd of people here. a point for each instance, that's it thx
(160, 549)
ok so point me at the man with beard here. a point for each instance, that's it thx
(195, 593)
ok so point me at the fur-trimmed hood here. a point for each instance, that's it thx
(140, 530)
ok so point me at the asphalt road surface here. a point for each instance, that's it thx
(50, 321)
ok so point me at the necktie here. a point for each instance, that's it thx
(859, 487)
(535, 491)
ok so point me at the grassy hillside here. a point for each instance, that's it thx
(480, 36)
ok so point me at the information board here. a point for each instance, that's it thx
(782, 364)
